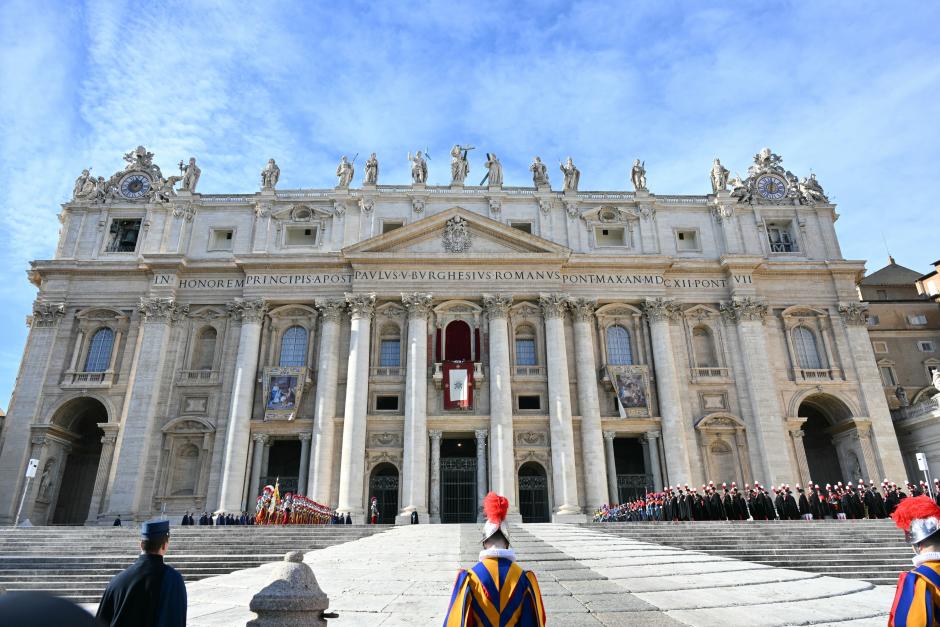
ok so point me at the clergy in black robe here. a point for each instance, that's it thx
(148, 593)
(779, 505)
(803, 504)
(789, 504)
(715, 507)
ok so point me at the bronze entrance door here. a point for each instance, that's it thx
(533, 493)
(458, 490)
(383, 485)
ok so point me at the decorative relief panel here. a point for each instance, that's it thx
(531, 438)
(385, 439)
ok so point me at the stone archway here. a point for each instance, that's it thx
(533, 493)
(383, 485)
(823, 412)
(80, 421)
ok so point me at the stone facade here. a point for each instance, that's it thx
(425, 344)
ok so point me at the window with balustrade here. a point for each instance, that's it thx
(703, 345)
(204, 349)
(293, 347)
(619, 346)
(526, 354)
(99, 350)
(390, 353)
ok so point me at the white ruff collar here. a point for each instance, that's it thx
(926, 557)
(508, 554)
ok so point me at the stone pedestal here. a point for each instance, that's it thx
(293, 598)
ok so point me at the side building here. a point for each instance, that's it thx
(424, 344)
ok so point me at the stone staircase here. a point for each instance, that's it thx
(78, 562)
(870, 550)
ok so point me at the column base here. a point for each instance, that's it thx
(405, 519)
(514, 517)
(568, 519)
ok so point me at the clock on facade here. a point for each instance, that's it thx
(135, 185)
(771, 187)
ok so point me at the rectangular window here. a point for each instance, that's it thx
(525, 353)
(386, 403)
(390, 225)
(221, 239)
(525, 227)
(873, 321)
(880, 347)
(887, 376)
(390, 354)
(917, 319)
(925, 346)
(780, 238)
(609, 236)
(122, 236)
(301, 236)
(530, 401)
(686, 240)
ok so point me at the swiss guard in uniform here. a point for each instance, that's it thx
(918, 592)
(148, 593)
(496, 591)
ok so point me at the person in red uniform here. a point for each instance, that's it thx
(918, 592)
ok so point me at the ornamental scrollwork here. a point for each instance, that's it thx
(744, 308)
(661, 309)
(46, 314)
(361, 305)
(331, 310)
(854, 313)
(497, 305)
(417, 305)
(248, 310)
(582, 309)
(159, 309)
(553, 305)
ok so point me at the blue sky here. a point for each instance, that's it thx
(849, 90)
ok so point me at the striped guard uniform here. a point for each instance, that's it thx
(917, 600)
(496, 592)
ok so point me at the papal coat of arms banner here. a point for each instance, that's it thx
(282, 391)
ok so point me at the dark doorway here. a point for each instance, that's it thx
(383, 485)
(821, 455)
(81, 418)
(283, 466)
(633, 481)
(533, 493)
(458, 480)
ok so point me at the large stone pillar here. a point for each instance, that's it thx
(481, 471)
(765, 410)
(676, 430)
(435, 476)
(304, 463)
(414, 495)
(799, 449)
(885, 448)
(592, 442)
(613, 492)
(25, 404)
(352, 463)
(324, 429)
(238, 425)
(257, 459)
(564, 473)
(135, 439)
(502, 465)
(104, 471)
(652, 437)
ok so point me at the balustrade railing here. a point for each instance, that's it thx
(197, 377)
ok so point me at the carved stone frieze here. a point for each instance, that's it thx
(361, 305)
(417, 305)
(46, 314)
(854, 313)
(331, 310)
(158, 309)
(571, 208)
(383, 456)
(497, 305)
(262, 209)
(661, 309)
(184, 212)
(496, 206)
(582, 309)
(417, 205)
(366, 205)
(553, 305)
(339, 207)
(744, 308)
(531, 438)
(545, 204)
(722, 212)
(646, 211)
(248, 310)
(385, 439)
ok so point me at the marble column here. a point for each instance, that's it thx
(257, 459)
(564, 470)
(304, 469)
(863, 433)
(802, 466)
(502, 465)
(414, 497)
(435, 476)
(613, 492)
(676, 431)
(104, 471)
(481, 471)
(352, 462)
(238, 426)
(592, 442)
(320, 475)
(25, 404)
(885, 441)
(765, 409)
(135, 439)
(652, 437)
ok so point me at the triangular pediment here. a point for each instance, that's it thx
(486, 237)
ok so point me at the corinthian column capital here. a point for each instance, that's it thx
(855, 314)
(46, 314)
(659, 309)
(553, 305)
(157, 309)
(497, 305)
(417, 305)
(745, 308)
(331, 310)
(361, 305)
(246, 310)
(582, 309)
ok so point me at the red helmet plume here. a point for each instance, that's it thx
(495, 508)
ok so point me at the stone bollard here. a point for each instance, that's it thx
(293, 598)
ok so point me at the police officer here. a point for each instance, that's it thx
(148, 593)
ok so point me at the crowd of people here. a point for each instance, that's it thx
(756, 502)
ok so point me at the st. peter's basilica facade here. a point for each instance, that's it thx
(426, 344)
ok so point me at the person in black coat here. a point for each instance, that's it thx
(802, 503)
(117, 522)
(148, 593)
(204, 519)
(348, 519)
(780, 505)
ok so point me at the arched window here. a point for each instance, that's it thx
(99, 351)
(294, 347)
(619, 346)
(704, 346)
(204, 350)
(807, 354)
(525, 346)
(390, 347)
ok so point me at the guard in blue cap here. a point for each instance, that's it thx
(148, 593)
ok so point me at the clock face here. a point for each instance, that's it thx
(771, 187)
(135, 185)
